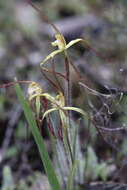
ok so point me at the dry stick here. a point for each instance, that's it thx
(107, 142)
(112, 129)
(56, 73)
(57, 80)
(48, 79)
(50, 126)
(13, 83)
(68, 89)
(94, 92)
(45, 19)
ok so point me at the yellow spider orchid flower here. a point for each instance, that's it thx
(62, 46)
(58, 104)
(34, 90)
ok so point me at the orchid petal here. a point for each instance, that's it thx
(46, 95)
(77, 110)
(71, 43)
(50, 56)
(48, 112)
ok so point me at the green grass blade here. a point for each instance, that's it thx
(39, 140)
(71, 176)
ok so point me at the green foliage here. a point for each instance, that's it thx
(11, 152)
(21, 131)
(93, 168)
(2, 102)
(34, 181)
(8, 181)
(71, 176)
(30, 182)
(6, 8)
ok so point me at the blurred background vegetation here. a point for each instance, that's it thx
(24, 42)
